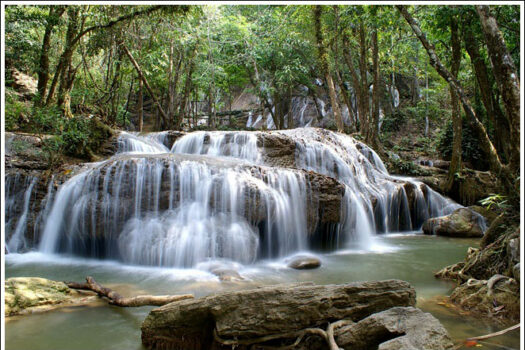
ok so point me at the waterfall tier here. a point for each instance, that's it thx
(240, 196)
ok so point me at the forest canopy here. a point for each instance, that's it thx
(160, 67)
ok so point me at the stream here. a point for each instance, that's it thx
(412, 257)
(154, 216)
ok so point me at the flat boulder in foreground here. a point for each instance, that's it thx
(249, 314)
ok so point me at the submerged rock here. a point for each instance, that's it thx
(25, 295)
(241, 315)
(463, 222)
(304, 262)
(395, 329)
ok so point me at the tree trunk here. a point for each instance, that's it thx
(55, 12)
(347, 53)
(140, 107)
(455, 161)
(374, 132)
(346, 99)
(365, 120)
(504, 174)
(187, 89)
(495, 114)
(150, 91)
(323, 57)
(118, 300)
(506, 76)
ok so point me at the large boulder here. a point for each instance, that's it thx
(243, 315)
(25, 295)
(463, 222)
(399, 328)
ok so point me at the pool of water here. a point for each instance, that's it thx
(410, 257)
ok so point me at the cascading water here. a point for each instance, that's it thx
(15, 187)
(213, 196)
(148, 206)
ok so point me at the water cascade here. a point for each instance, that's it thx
(217, 195)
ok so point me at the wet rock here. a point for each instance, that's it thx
(395, 329)
(227, 275)
(516, 272)
(249, 314)
(303, 262)
(463, 222)
(497, 297)
(513, 251)
(25, 295)
(277, 149)
(488, 214)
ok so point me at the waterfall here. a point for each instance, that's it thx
(217, 195)
(13, 185)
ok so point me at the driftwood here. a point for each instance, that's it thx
(118, 300)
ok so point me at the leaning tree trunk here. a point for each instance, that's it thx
(496, 116)
(455, 161)
(323, 57)
(505, 175)
(165, 118)
(507, 78)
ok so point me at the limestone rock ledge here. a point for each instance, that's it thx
(266, 311)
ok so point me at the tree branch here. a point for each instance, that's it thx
(118, 300)
(115, 21)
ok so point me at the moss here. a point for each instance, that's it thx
(22, 293)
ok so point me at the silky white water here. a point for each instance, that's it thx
(212, 196)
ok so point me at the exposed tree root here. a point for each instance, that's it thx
(495, 334)
(327, 335)
(118, 300)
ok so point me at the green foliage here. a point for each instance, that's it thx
(76, 137)
(52, 150)
(394, 121)
(16, 111)
(470, 151)
(495, 201)
(397, 165)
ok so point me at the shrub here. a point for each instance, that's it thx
(470, 150)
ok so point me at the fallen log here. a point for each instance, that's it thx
(115, 298)
(290, 312)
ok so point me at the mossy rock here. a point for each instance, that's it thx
(29, 294)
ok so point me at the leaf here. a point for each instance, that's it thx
(471, 343)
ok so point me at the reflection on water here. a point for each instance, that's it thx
(413, 258)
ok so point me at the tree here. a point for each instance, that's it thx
(506, 77)
(455, 163)
(504, 173)
(323, 58)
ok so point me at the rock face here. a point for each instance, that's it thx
(266, 311)
(33, 294)
(463, 222)
(395, 329)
